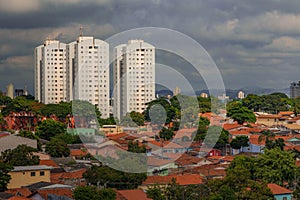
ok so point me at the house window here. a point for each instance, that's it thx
(32, 173)
(284, 198)
(42, 173)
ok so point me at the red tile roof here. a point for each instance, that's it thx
(231, 126)
(185, 179)
(239, 132)
(78, 152)
(132, 195)
(276, 189)
(48, 163)
(286, 113)
(59, 177)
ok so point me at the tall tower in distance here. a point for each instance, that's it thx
(134, 77)
(10, 90)
(241, 95)
(295, 90)
(50, 72)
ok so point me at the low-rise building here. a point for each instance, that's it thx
(26, 175)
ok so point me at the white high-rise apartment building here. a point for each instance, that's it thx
(134, 77)
(79, 70)
(50, 72)
(88, 61)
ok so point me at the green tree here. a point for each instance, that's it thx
(276, 166)
(278, 143)
(61, 110)
(111, 178)
(266, 135)
(134, 147)
(91, 192)
(200, 134)
(2, 122)
(69, 138)
(4, 176)
(138, 118)
(57, 148)
(239, 142)
(50, 128)
(166, 133)
(20, 156)
(255, 190)
(241, 114)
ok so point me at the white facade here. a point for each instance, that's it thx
(50, 72)
(241, 95)
(88, 60)
(79, 70)
(134, 77)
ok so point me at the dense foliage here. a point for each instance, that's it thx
(20, 156)
(4, 176)
(111, 178)
(91, 192)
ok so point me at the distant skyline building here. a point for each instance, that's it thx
(295, 89)
(10, 90)
(134, 77)
(204, 95)
(177, 91)
(241, 95)
(78, 70)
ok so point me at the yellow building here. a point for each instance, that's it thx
(26, 175)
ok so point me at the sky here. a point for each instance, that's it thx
(253, 43)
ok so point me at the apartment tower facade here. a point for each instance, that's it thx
(134, 77)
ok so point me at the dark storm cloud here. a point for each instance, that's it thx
(248, 40)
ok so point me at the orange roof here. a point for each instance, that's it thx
(231, 126)
(186, 159)
(117, 136)
(286, 148)
(254, 140)
(298, 163)
(269, 116)
(276, 189)
(59, 177)
(286, 113)
(225, 158)
(48, 163)
(78, 152)
(239, 132)
(132, 195)
(185, 179)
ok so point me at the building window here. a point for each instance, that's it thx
(42, 173)
(32, 173)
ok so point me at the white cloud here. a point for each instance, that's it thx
(285, 44)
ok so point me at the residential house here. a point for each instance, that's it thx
(25, 175)
(280, 193)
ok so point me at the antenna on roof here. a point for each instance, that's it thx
(80, 31)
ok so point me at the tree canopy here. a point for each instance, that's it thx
(20, 156)
(50, 128)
